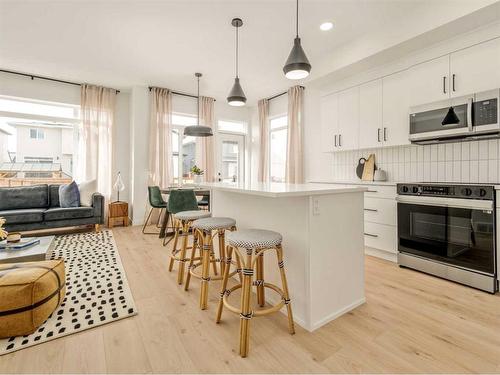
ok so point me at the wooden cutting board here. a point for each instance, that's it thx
(369, 169)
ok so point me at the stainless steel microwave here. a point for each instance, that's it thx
(468, 117)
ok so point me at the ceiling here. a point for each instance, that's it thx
(163, 43)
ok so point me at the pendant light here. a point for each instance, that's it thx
(451, 118)
(236, 96)
(198, 130)
(297, 65)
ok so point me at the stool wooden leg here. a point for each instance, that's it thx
(246, 309)
(261, 299)
(205, 271)
(174, 248)
(279, 253)
(212, 260)
(225, 278)
(191, 261)
(182, 253)
(222, 250)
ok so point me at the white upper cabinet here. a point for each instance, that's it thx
(396, 102)
(329, 123)
(475, 69)
(370, 115)
(348, 123)
(429, 81)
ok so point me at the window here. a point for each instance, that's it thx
(36, 134)
(278, 138)
(232, 126)
(37, 140)
(183, 148)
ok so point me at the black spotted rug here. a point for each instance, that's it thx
(97, 291)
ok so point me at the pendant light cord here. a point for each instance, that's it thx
(237, 51)
(297, 25)
(198, 101)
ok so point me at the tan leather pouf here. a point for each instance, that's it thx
(29, 293)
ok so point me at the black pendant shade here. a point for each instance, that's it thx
(297, 65)
(451, 118)
(236, 96)
(198, 130)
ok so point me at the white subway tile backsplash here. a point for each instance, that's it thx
(475, 161)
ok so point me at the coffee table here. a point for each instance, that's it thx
(30, 254)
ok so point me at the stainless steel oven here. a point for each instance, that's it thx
(449, 231)
(464, 118)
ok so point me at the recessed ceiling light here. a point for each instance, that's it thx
(325, 26)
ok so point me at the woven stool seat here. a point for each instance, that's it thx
(192, 215)
(254, 239)
(212, 223)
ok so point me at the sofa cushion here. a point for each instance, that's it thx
(60, 213)
(23, 216)
(87, 189)
(12, 198)
(69, 195)
(54, 195)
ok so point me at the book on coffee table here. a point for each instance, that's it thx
(24, 243)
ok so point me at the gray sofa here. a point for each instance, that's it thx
(35, 207)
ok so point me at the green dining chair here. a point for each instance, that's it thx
(204, 202)
(156, 202)
(180, 200)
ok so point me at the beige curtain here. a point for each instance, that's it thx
(294, 170)
(263, 173)
(205, 145)
(94, 159)
(160, 138)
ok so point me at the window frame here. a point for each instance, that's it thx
(283, 127)
(224, 131)
(180, 157)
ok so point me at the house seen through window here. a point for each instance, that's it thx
(37, 141)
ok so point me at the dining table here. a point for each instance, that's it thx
(198, 191)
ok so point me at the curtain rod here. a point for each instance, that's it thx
(33, 76)
(280, 94)
(177, 93)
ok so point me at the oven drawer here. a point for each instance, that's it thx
(381, 211)
(381, 191)
(381, 236)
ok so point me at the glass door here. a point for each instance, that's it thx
(231, 157)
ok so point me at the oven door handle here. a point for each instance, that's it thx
(473, 204)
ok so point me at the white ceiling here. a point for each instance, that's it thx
(125, 43)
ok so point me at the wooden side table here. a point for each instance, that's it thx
(117, 211)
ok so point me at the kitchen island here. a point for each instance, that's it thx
(322, 228)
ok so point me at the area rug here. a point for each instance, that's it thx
(97, 290)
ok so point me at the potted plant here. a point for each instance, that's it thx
(197, 173)
(3, 232)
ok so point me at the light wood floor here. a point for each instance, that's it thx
(411, 323)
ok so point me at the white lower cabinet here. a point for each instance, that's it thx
(381, 237)
(380, 210)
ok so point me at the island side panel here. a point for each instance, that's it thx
(288, 216)
(336, 256)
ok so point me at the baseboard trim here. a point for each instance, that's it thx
(381, 254)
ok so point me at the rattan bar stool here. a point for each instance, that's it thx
(182, 225)
(255, 242)
(203, 229)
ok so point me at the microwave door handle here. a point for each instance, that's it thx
(469, 114)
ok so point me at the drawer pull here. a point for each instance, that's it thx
(371, 235)
(371, 191)
(371, 209)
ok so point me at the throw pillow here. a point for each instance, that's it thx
(87, 188)
(69, 195)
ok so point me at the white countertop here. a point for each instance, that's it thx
(356, 182)
(276, 190)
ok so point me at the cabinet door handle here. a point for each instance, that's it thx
(335, 140)
(385, 134)
(371, 209)
(371, 235)
(453, 82)
(378, 134)
(444, 85)
(371, 191)
(340, 140)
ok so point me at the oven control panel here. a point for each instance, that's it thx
(483, 192)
